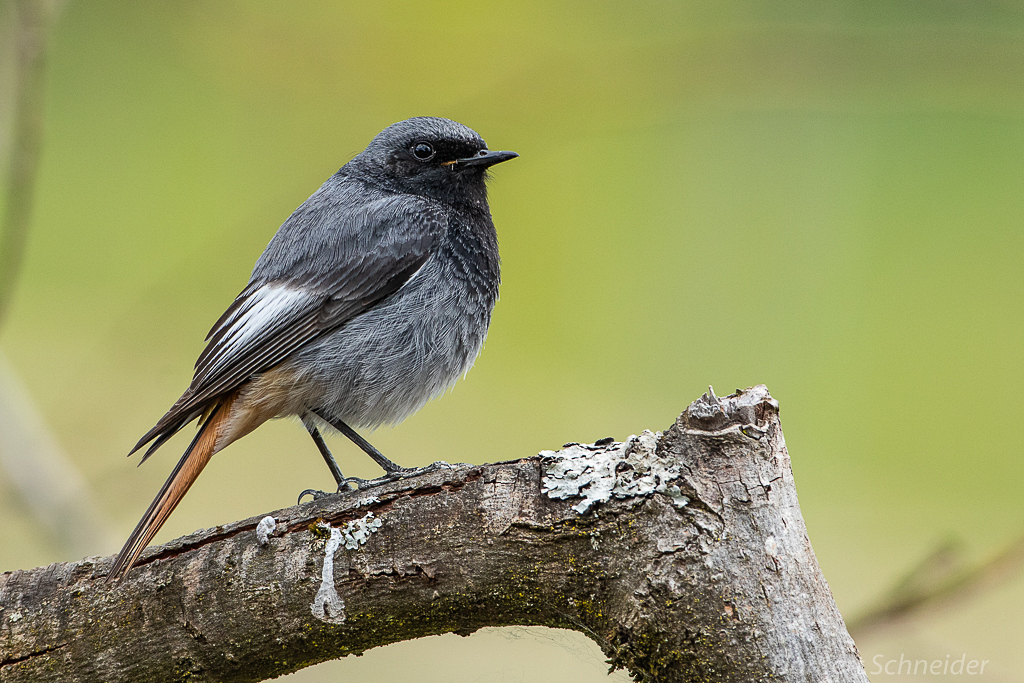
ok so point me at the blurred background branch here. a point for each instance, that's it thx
(30, 26)
(46, 480)
(940, 581)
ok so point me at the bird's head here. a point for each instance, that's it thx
(431, 157)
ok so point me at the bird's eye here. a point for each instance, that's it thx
(422, 151)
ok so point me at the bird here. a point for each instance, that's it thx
(373, 297)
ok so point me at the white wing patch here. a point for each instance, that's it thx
(266, 308)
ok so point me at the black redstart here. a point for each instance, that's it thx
(371, 299)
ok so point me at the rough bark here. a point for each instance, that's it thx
(684, 556)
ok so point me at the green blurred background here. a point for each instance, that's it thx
(827, 198)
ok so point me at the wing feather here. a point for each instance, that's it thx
(308, 282)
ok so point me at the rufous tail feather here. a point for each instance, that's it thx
(199, 452)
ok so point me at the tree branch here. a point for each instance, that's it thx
(683, 556)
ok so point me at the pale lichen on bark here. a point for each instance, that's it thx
(328, 605)
(626, 469)
(264, 529)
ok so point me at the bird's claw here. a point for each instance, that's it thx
(357, 484)
(348, 484)
(317, 495)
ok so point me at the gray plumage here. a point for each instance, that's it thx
(375, 294)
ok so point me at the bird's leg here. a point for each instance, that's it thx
(393, 471)
(340, 478)
(378, 457)
(324, 451)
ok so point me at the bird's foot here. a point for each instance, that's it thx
(355, 483)
(349, 484)
(387, 477)
(404, 473)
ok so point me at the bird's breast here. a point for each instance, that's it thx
(384, 364)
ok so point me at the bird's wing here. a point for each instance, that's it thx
(310, 280)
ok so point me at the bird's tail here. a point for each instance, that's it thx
(199, 452)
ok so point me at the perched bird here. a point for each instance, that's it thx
(372, 298)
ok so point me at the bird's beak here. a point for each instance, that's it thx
(485, 158)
